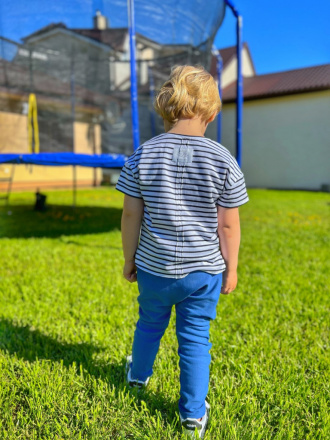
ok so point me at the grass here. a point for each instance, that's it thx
(67, 319)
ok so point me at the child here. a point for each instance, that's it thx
(182, 191)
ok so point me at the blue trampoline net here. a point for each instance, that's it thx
(65, 69)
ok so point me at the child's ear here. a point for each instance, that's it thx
(212, 118)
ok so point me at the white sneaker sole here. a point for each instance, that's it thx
(133, 383)
(203, 424)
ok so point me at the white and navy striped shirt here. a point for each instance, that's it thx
(181, 180)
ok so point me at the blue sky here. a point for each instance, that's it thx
(282, 34)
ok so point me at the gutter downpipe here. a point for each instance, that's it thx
(134, 93)
(239, 85)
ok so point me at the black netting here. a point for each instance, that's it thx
(76, 63)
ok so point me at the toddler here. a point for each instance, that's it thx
(181, 235)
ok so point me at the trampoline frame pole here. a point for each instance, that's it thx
(74, 188)
(152, 98)
(239, 84)
(73, 117)
(216, 52)
(239, 91)
(134, 94)
(73, 98)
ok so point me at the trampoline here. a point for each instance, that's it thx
(96, 65)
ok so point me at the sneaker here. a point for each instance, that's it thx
(190, 426)
(134, 383)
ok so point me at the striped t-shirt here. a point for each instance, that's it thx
(181, 180)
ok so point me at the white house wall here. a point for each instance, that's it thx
(60, 53)
(285, 140)
(122, 74)
(229, 74)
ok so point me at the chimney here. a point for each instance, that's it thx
(100, 21)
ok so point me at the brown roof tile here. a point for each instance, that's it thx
(113, 37)
(47, 28)
(281, 83)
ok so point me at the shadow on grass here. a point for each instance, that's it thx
(31, 345)
(57, 220)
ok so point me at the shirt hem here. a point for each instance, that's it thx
(127, 194)
(162, 275)
(234, 206)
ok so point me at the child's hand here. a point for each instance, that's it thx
(129, 271)
(229, 282)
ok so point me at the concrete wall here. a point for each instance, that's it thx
(286, 140)
(13, 133)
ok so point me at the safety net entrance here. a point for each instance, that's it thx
(65, 69)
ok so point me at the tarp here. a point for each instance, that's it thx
(67, 159)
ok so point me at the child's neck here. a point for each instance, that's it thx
(190, 127)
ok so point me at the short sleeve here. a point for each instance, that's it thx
(234, 190)
(128, 183)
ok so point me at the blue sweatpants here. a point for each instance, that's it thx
(195, 298)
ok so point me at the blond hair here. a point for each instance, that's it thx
(190, 91)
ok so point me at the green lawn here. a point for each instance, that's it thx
(67, 319)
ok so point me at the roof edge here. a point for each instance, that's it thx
(278, 95)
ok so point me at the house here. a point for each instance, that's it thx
(80, 75)
(81, 78)
(98, 58)
(285, 125)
